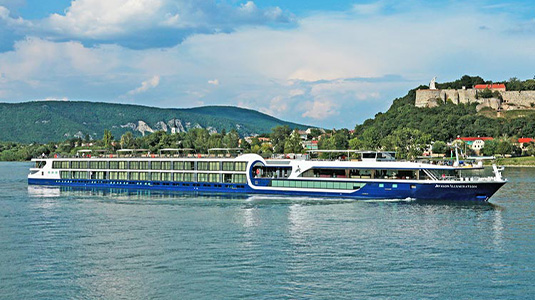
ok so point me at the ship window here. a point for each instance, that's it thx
(202, 165)
(213, 177)
(156, 165)
(395, 174)
(123, 165)
(65, 175)
(370, 155)
(98, 175)
(202, 177)
(97, 165)
(178, 165)
(166, 165)
(214, 166)
(143, 165)
(239, 178)
(155, 176)
(79, 175)
(228, 166)
(188, 177)
(114, 165)
(40, 164)
(240, 166)
(60, 165)
(167, 177)
(143, 176)
(381, 185)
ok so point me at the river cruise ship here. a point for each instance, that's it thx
(375, 175)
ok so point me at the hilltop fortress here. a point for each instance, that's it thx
(494, 96)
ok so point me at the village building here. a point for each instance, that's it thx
(310, 145)
(492, 87)
(524, 142)
(475, 143)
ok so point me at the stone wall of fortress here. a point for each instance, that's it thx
(523, 99)
(511, 99)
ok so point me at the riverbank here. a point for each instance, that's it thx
(525, 161)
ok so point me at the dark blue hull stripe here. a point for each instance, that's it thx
(479, 191)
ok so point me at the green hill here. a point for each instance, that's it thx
(44, 121)
(445, 122)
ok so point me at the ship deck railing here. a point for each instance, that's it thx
(100, 156)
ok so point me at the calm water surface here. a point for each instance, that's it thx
(112, 244)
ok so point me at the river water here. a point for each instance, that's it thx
(117, 245)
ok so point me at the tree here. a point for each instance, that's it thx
(439, 147)
(293, 143)
(127, 140)
(513, 84)
(231, 139)
(489, 148)
(314, 133)
(504, 147)
(107, 139)
(407, 142)
(278, 136)
(530, 149)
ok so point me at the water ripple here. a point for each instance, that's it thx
(115, 244)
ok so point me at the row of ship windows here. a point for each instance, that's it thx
(317, 184)
(155, 176)
(152, 165)
(149, 183)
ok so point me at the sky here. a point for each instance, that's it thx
(330, 64)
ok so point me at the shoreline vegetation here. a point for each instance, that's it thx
(525, 161)
(404, 128)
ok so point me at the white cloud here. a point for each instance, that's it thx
(277, 105)
(146, 85)
(4, 13)
(104, 18)
(321, 109)
(331, 69)
(55, 99)
(143, 24)
(296, 92)
(35, 58)
(369, 8)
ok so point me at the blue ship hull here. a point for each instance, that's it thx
(459, 191)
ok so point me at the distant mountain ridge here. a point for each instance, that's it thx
(44, 121)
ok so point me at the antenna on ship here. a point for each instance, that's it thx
(456, 163)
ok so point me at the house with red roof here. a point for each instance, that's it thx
(493, 87)
(524, 142)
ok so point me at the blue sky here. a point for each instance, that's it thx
(324, 63)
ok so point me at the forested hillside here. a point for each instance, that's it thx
(444, 122)
(46, 121)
